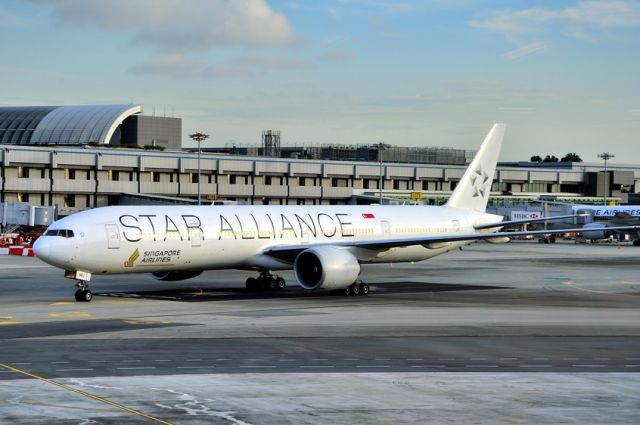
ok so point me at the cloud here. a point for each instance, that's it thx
(526, 50)
(179, 25)
(251, 65)
(577, 20)
(246, 65)
(168, 64)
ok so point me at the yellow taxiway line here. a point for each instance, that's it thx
(86, 394)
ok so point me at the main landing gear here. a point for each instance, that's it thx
(265, 282)
(83, 294)
(355, 289)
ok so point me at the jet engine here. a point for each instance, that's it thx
(172, 276)
(326, 267)
(595, 231)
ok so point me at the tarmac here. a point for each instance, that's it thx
(514, 333)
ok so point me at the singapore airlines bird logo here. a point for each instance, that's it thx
(479, 181)
(132, 258)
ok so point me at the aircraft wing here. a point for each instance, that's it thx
(288, 253)
(525, 221)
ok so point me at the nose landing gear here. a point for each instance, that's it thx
(265, 282)
(83, 294)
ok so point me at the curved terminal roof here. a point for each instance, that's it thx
(62, 125)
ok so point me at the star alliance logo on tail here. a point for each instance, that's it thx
(479, 181)
(132, 258)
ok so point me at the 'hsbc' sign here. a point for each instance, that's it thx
(525, 215)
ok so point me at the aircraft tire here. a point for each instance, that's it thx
(364, 289)
(280, 283)
(347, 291)
(87, 295)
(251, 284)
(355, 290)
(78, 296)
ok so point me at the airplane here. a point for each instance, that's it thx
(325, 245)
(597, 230)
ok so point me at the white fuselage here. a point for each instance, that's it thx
(137, 239)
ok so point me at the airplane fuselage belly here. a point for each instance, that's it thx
(140, 240)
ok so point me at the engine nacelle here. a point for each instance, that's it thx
(595, 231)
(326, 267)
(174, 275)
(497, 240)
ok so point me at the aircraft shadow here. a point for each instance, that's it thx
(204, 294)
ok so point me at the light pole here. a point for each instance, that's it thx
(381, 146)
(606, 156)
(199, 137)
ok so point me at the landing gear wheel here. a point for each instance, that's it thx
(251, 284)
(364, 289)
(83, 295)
(87, 295)
(356, 289)
(347, 291)
(280, 283)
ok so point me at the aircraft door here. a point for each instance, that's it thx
(113, 236)
(195, 232)
(386, 228)
(456, 225)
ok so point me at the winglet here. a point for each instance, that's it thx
(473, 190)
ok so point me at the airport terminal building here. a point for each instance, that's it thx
(65, 157)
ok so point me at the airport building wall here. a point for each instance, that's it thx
(73, 179)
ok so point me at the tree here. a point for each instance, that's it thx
(571, 157)
(550, 158)
(536, 158)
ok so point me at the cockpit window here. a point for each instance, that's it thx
(65, 233)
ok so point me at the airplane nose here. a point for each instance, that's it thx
(50, 252)
(38, 248)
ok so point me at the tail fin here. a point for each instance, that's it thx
(472, 192)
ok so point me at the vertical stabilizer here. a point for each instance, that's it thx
(473, 190)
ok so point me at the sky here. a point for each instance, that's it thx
(563, 75)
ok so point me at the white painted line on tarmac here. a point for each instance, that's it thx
(351, 360)
(21, 363)
(429, 365)
(97, 361)
(382, 360)
(258, 367)
(481, 365)
(319, 360)
(131, 361)
(535, 365)
(315, 366)
(255, 360)
(447, 359)
(376, 366)
(287, 360)
(415, 360)
(73, 370)
(222, 360)
(136, 368)
(162, 361)
(632, 365)
(588, 365)
(60, 362)
(193, 360)
(478, 359)
(194, 367)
